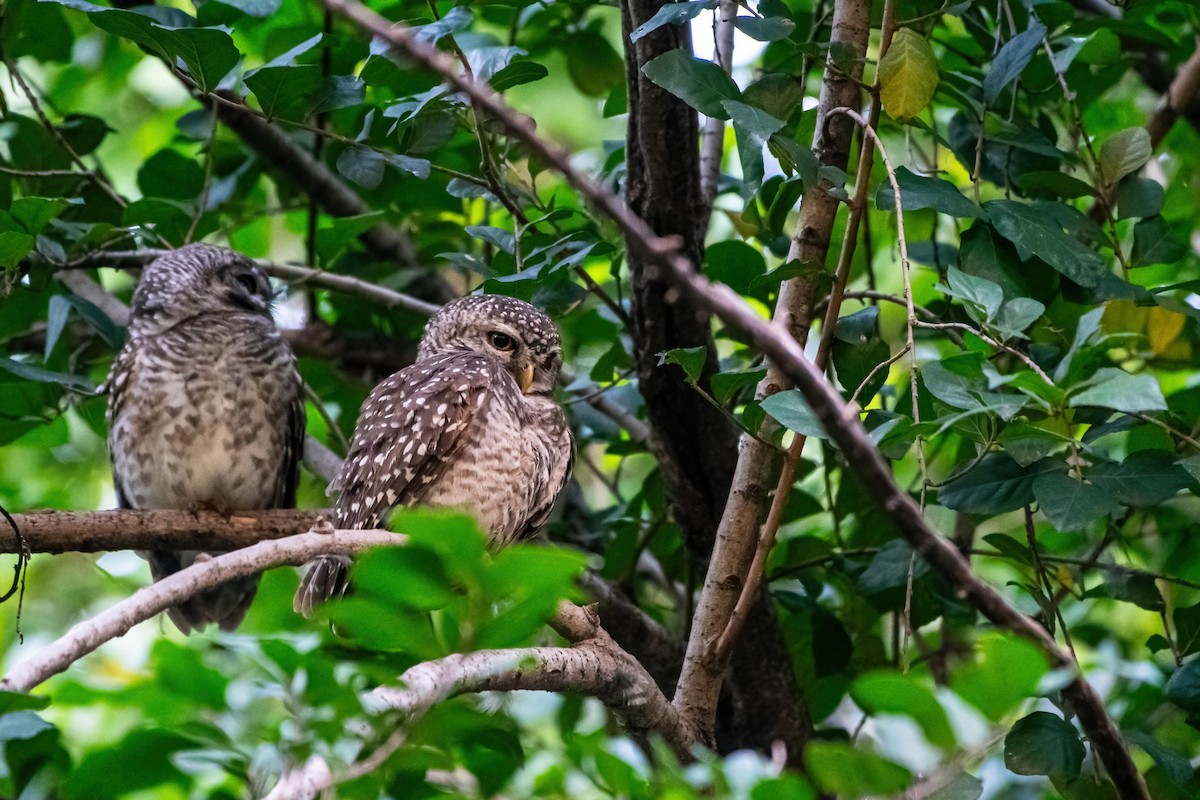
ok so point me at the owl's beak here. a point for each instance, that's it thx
(525, 378)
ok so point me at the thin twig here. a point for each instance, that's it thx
(874, 371)
(996, 343)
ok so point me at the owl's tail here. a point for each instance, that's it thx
(325, 578)
(225, 604)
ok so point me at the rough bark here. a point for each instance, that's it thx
(695, 444)
(692, 440)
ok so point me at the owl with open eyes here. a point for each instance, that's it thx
(206, 409)
(472, 424)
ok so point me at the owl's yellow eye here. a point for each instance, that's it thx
(502, 341)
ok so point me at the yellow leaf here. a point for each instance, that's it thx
(1123, 316)
(908, 75)
(1163, 327)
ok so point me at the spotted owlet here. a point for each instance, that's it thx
(206, 409)
(472, 424)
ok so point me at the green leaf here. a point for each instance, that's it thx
(785, 787)
(1041, 235)
(726, 384)
(892, 693)
(142, 760)
(1184, 687)
(908, 75)
(1128, 586)
(765, 29)
(854, 364)
(1010, 548)
(1011, 61)
(456, 19)
(995, 485)
(672, 14)
(735, 264)
(517, 73)
(1016, 316)
(1027, 443)
(56, 320)
(13, 247)
(1124, 153)
(918, 191)
(209, 54)
(1155, 243)
(1054, 183)
(1144, 479)
(753, 127)
(1044, 744)
(701, 84)
(852, 773)
(791, 410)
(889, 569)
(1177, 766)
(410, 577)
(983, 293)
(1139, 197)
(968, 393)
(498, 237)
(284, 90)
(962, 786)
(19, 725)
(593, 64)
(1187, 629)
(32, 373)
(692, 359)
(1117, 389)
(1071, 504)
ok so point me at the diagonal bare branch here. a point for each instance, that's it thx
(115, 622)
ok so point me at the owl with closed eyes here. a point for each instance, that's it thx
(472, 424)
(206, 410)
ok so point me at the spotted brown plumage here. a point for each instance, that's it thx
(205, 409)
(472, 424)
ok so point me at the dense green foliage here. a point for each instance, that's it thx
(1053, 434)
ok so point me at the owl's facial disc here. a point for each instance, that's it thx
(510, 349)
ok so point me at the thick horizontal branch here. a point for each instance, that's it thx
(129, 529)
(85, 637)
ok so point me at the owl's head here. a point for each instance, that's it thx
(197, 279)
(512, 331)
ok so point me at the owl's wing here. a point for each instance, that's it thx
(410, 428)
(559, 474)
(117, 385)
(293, 450)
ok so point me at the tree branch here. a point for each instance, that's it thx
(114, 622)
(135, 529)
(595, 668)
(1176, 100)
